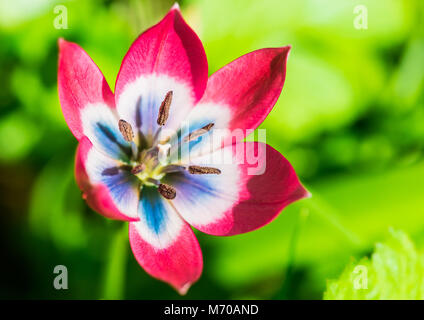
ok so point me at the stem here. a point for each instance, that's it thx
(302, 216)
(114, 276)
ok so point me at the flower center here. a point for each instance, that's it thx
(150, 165)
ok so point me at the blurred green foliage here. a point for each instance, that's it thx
(395, 271)
(350, 119)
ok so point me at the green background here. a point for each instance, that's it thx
(350, 119)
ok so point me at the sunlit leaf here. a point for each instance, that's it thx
(395, 271)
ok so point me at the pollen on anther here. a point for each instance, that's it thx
(126, 130)
(167, 191)
(164, 109)
(197, 133)
(203, 170)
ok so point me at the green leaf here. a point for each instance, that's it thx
(395, 271)
(114, 275)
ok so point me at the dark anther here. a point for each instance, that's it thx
(126, 130)
(197, 133)
(167, 191)
(164, 109)
(203, 170)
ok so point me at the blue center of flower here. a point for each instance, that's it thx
(150, 159)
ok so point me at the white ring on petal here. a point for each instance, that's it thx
(220, 116)
(152, 89)
(210, 195)
(173, 224)
(97, 114)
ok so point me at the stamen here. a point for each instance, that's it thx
(153, 181)
(197, 133)
(173, 168)
(126, 130)
(203, 170)
(164, 109)
(167, 191)
(112, 171)
(138, 168)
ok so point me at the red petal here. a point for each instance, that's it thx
(80, 82)
(248, 194)
(169, 48)
(179, 264)
(249, 86)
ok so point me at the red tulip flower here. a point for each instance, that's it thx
(145, 154)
